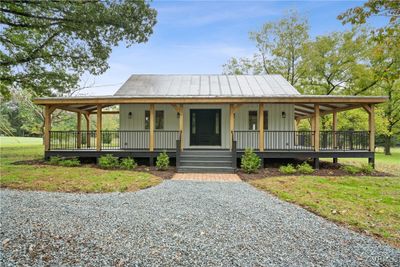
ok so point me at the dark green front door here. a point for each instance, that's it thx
(205, 127)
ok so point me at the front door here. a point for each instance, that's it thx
(205, 127)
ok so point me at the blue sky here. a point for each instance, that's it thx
(199, 37)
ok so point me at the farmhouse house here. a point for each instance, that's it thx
(206, 121)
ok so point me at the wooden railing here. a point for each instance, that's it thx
(112, 140)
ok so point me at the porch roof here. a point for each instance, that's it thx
(304, 104)
(206, 85)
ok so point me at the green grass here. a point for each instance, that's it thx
(389, 164)
(56, 178)
(368, 204)
(6, 141)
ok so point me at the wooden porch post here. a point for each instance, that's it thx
(231, 123)
(371, 124)
(48, 110)
(87, 117)
(312, 122)
(181, 128)
(261, 126)
(316, 126)
(98, 127)
(151, 142)
(78, 128)
(334, 129)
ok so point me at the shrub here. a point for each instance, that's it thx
(250, 162)
(162, 161)
(350, 169)
(367, 168)
(70, 162)
(108, 162)
(106, 138)
(288, 169)
(55, 160)
(305, 168)
(128, 164)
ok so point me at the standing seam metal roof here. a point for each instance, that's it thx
(206, 85)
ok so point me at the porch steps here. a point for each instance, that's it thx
(206, 161)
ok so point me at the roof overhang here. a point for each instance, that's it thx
(304, 104)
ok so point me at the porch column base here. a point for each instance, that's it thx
(372, 162)
(316, 163)
(151, 161)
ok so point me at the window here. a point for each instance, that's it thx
(146, 119)
(159, 120)
(252, 120)
(265, 119)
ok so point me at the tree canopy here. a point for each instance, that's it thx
(45, 46)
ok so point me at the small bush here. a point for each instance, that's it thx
(108, 162)
(55, 160)
(350, 169)
(162, 162)
(305, 168)
(250, 162)
(128, 164)
(367, 168)
(70, 162)
(288, 169)
(106, 138)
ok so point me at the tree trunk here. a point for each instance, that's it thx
(387, 144)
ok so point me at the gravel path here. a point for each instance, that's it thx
(178, 223)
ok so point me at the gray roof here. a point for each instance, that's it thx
(206, 85)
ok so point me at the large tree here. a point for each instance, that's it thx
(46, 45)
(280, 46)
(384, 57)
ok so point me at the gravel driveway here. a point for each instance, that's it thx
(177, 223)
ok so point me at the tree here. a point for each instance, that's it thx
(385, 57)
(280, 46)
(47, 45)
(382, 8)
(337, 64)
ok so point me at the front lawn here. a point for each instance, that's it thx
(368, 204)
(18, 173)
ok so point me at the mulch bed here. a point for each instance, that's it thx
(326, 169)
(167, 174)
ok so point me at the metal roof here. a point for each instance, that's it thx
(206, 86)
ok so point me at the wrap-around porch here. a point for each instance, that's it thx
(276, 143)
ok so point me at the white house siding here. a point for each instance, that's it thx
(140, 139)
(171, 122)
(275, 123)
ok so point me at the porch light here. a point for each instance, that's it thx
(130, 115)
(283, 114)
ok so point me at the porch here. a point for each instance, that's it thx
(233, 117)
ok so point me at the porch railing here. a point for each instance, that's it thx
(246, 139)
(344, 140)
(288, 140)
(70, 140)
(112, 140)
(304, 140)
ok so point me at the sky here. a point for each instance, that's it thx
(198, 37)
